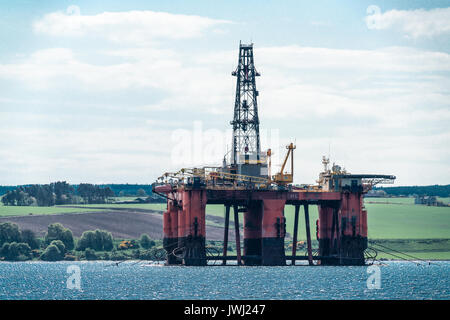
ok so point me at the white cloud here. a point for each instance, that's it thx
(137, 27)
(413, 23)
(391, 59)
(296, 80)
(42, 155)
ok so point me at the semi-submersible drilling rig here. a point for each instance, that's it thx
(246, 185)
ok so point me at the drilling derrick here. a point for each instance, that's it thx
(246, 150)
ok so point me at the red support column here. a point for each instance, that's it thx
(238, 238)
(225, 235)
(253, 233)
(308, 235)
(273, 232)
(294, 240)
(353, 229)
(363, 224)
(194, 204)
(170, 230)
(167, 231)
(326, 225)
(181, 220)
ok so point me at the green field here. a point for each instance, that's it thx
(403, 200)
(8, 211)
(385, 221)
(390, 200)
(149, 206)
(407, 221)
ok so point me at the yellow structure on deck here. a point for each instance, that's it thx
(286, 178)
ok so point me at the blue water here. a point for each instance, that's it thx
(131, 280)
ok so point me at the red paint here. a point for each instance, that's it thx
(351, 208)
(272, 209)
(364, 223)
(167, 231)
(181, 214)
(194, 204)
(325, 222)
(167, 188)
(253, 222)
(173, 219)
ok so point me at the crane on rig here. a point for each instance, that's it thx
(281, 177)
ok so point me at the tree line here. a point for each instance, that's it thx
(435, 190)
(121, 190)
(56, 193)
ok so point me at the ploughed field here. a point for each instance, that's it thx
(124, 221)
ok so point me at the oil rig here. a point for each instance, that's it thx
(245, 184)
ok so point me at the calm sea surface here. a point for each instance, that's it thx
(131, 280)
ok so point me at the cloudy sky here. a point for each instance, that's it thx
(122, 91)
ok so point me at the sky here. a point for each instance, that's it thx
(123, 91)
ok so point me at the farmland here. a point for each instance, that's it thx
(421, 231)
(10, 211)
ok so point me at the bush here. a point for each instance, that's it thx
(13, 251)
(16, 251)
(99, 240)
(52, 253)
(118, 256)
(9, 232)
(141, 192)
(86, 240)
(24, 249)
(108, 241)
(128, 244)
(136, 253)
(69, 257)
(4, 251)
(134, 244)
(67, 239)
(56, 231)
(147, 255)
(35, 253)
(90, 254)
(60, 245)
(146, 242)
(124, 245)
(154, 253)
(97, 244)
(29, 237)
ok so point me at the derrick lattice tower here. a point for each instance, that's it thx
(245, 144)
